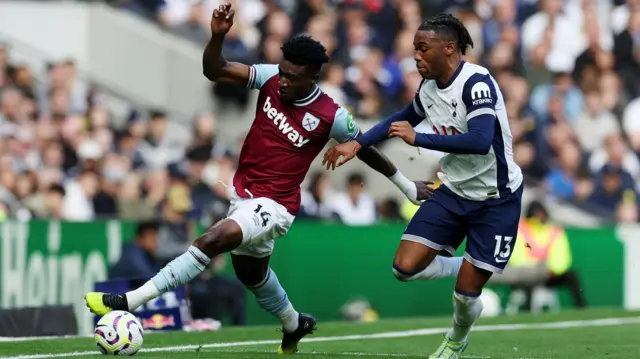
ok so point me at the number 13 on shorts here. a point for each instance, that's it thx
(503, 249)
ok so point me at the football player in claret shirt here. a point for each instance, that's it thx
(294, 121)
(481, 195)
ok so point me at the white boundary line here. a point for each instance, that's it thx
(384, 335)
(33, 339)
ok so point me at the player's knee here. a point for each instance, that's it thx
(401, 274)
(405, 268)
(249, 270)
(222, 237)
(250, 277)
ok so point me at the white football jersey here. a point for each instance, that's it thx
(471, 92)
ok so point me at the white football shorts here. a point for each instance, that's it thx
(262, 221)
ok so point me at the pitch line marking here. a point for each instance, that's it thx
(383, 335)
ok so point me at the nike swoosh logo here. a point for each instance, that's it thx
(429, 106)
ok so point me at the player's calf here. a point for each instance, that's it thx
(467, 305)
(262, 281)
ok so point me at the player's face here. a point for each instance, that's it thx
(295, 82)
(431, 52)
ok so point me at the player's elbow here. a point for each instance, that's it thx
(484, 148)
(213, 71)
(481, 146)
(210, 74)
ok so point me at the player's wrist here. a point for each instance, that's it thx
(402, 182)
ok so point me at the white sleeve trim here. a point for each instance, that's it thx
(480, 112)
(252, 77)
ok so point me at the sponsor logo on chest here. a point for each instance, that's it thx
(282, 123)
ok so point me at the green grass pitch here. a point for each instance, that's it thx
(591, 334)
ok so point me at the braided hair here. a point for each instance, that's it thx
(302, 50)
(449, 25)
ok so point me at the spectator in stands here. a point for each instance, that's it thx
(159, 149)
(114, 170)
(176, 232)
(53, 203)
(541, 257)
(130, 203)
(611, 186)
(137, 260)
(568, 74)
(314, 199)
(214, 295)
(561, 180)
(355, 206)
(333, 82)
(80, 192)
(560, 100)
(389, 210)
(614, 151)
(595, 123)
(626, 53)
(631, 124)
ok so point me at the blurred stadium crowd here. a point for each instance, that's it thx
(569, 71)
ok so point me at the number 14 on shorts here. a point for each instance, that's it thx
(503, 248)
(264, 215)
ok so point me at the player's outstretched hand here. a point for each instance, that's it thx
(222, 19)
(404, 130)
(347, 151)
(424, 189)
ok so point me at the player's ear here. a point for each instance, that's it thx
(450, 48)
(315, 78)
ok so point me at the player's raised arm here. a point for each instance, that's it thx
(214, 66)
(345, 130)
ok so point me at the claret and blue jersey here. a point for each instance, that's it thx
(285, 138)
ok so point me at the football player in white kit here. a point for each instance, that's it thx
(482, 186)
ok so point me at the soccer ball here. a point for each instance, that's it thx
(119, 333)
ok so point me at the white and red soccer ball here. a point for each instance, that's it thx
(119, 333)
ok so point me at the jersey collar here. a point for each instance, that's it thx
(453, 77)
(315, 93)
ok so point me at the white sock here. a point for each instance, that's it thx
(440, 267)
(138, 297)
(466, 310)
(289, 319)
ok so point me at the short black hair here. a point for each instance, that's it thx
(145, 226)
(302, 50)
(447, 24)
(157, 115)
(57, 188)
(355, 179)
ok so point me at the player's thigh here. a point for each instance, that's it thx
(262, 221)
(432, 230)
(492, 234)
